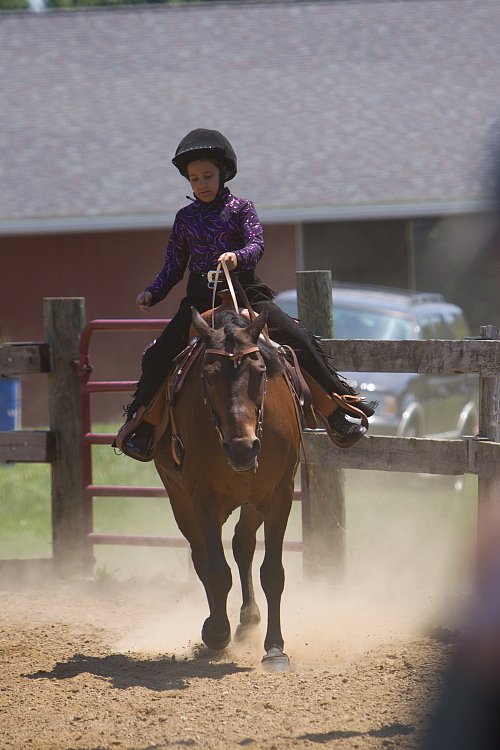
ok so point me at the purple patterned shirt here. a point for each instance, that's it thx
(203, 231)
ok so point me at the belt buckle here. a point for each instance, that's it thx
(211, 279)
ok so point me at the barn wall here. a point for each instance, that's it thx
(109, 269)
(459, 256)
(456, 255)
(367, 252)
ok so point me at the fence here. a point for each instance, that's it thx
(324, 531)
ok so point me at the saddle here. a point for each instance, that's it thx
(309, 396)
(160, 413)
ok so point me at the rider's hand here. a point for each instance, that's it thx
(144, 300)
(230, 259)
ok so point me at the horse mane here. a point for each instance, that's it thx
(229, 320)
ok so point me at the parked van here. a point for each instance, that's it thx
(410, 404)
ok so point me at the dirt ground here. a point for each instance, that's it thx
(108, 665)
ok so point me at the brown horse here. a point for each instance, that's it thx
(237, 421)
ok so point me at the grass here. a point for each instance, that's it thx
(393, 520)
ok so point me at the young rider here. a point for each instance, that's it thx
(218, 226)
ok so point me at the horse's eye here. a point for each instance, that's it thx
(210, 371)
(257, 362)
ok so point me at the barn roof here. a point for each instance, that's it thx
(336, 109)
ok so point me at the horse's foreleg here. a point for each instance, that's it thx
(243, 551)
(272, 576)
(187, 522)
(216, 631)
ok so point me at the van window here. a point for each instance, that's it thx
(350, 323)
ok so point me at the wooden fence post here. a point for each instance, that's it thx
(64, 319)
(323, 515)
(489, 429)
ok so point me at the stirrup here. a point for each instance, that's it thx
(127, 429)
(337, 439)
(348, 404)
(139, 444)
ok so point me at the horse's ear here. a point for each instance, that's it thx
(254, 329)
(201, 328)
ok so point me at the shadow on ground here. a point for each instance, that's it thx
(126, 671)
(392, 730)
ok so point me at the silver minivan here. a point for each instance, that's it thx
(410, 404)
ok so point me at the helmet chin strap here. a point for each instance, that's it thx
(208, 203)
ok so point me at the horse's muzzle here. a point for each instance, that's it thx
(241, 453)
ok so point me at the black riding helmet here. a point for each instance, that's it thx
(205, 144)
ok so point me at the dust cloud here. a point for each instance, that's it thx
(408, 566)
(398, 585)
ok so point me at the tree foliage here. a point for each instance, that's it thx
(13, 5)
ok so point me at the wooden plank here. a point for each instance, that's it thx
(488, 486)
(431, 356)
(314, 301)
(484, 459)
(358, 355)
(64, 320)
(27, 446)
(24, 358)
(324, 524)
(323, 529)
(376, 452)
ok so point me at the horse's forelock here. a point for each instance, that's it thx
(230, 321)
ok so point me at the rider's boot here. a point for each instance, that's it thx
(138, 445)
(341, 430)
(332, 410)
(135, 436)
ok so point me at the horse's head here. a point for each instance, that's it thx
(234, 370)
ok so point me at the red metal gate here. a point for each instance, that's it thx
(89, 438)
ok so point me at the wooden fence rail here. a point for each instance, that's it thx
(26, 446)
(60, 445)
(433, 357)
(416, 455)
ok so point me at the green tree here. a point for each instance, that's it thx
(13, 5)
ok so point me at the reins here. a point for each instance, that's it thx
(215, 280)
(222, 264)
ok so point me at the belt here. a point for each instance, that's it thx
(208, 275)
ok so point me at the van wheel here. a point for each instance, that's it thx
(471, 426)
(413, 429)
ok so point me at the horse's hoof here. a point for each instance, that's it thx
(248, 625)
(215, 644)
(275, 661)
(245, 632)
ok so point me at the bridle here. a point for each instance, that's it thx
(236, 360)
